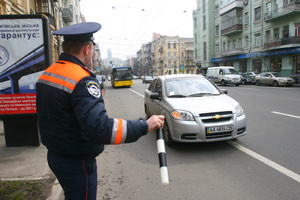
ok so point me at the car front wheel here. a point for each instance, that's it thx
(275, 84)
(167, 135)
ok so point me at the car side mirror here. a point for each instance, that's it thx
(225, 91)
(155, 96)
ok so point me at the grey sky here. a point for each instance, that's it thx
(127, 24)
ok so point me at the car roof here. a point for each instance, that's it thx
(220, 67)
(174, 76)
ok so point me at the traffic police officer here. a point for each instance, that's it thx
(73, 122)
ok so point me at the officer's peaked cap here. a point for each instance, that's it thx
(82, 32)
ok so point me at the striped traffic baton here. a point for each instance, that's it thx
(162, 157)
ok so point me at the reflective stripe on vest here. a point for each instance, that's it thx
(63, 76)
(119, 131)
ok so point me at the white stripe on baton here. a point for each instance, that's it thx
(162, 157)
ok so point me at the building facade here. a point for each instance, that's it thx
(257, 35)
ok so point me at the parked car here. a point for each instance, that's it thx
(223, 75)
(134, 77)
(195, 109)
(100, 79)
(296, 78)
(273, 78)
(248, 78)
(147, 79)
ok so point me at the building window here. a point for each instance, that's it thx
(204, 22)
(297, 30)
(204, 51)
(276, 63)
(268, 36)
(224, 46)
(217, 30)
(204, 5)
(195, 22)
(169, 55)
(246, 42)
(175, 54)
(285, 2)
(234, 44)
(277, 5)
(228, 45)
(276, 33)
(195, 38)
(169, 64)
(240, 43)
(285, 31)
(217, 48)
(182, 54)
(174, 45)
(257, 39)
(169, 46)
(257, 13)
(269, 8)
(246, 20)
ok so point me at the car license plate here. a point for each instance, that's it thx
(219, 129)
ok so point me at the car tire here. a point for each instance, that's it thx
(257, 83)
(167, 135)
(275, 84)
(147, 113)
(237, 84)
(223, 83)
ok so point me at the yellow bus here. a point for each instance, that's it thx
(121, 77)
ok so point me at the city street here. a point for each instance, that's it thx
(262, 165)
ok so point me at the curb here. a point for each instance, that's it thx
(56, 192)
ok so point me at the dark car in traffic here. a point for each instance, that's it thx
(248, 78)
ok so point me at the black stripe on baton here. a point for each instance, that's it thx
(162, 160)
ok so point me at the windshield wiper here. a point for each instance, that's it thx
(177, 96)
(199, 94)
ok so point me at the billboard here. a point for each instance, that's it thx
(24, 55)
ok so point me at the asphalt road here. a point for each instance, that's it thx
(264, 164)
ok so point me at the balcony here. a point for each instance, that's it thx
(232, 5)
(289, 9)
(232, 52)
(281, 42)
(236, 28)
(67, 14)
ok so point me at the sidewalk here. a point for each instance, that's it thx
(25, 163)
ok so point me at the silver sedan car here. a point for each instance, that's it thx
(195, 109)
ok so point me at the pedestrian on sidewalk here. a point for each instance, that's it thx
(73, 122)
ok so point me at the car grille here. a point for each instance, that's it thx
(218, 135)
(216, 117)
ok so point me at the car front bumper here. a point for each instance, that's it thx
(196, 131)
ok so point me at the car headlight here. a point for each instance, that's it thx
(239, 110)
(182, 115)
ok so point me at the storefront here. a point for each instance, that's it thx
(276, 63)
(296, 64)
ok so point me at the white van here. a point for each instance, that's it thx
(223, 75)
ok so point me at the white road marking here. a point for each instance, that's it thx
(136, 92)
(267, 161)
(259, 157)
(279, 113)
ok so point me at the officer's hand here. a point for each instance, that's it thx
(155, 121)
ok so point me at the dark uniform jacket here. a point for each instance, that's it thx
(72, 117)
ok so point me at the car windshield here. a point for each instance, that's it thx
(190, 87)
(230, 71)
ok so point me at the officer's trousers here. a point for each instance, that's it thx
(77, 177)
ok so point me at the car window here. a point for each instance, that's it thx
(152, 86)
(157, 88)
(190, 87)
